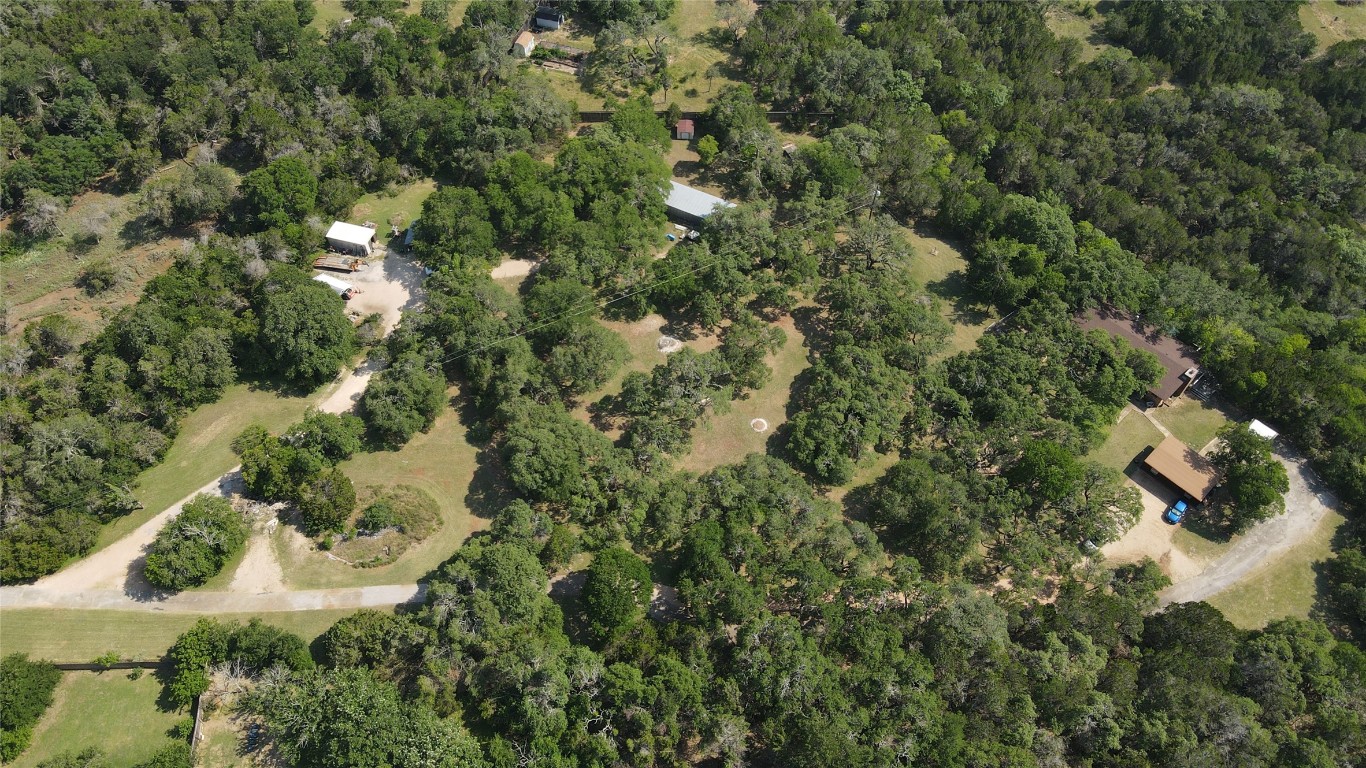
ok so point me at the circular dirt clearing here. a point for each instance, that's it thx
(758, 425)
(669, 344)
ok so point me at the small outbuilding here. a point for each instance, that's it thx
(684, 130)
(340, 287)
(691, 206)
(1187, 471)
(548, 18)
(524, 45)
(1262, 430)
(351, 238)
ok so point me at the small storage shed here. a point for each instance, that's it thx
(1187, 471)
(524, 45)
(548, 18)
(684, 130)
(691, 206)
(408, 236)
(1258, 428)
(341, 287)
(351, 238)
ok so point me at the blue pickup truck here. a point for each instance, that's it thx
(1175, 513)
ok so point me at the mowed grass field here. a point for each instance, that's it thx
(698, 43)
(441, 462)
(1285, 588)
(1127, 439)
(405, 203)
(726, 438)
(1192, 420)
(941, 268)
(1331, 22)
(105, 710)
(78, 636)
(1067, 23)
(203, 449)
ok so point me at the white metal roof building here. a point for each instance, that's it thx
(692, 205)
(351, 238)
(340, 286)
(1258, 428)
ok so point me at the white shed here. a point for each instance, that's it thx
(524, 45)
(342, 288)
(1258, 428)
(692, 205)
(351, 238)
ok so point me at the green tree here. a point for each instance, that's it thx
(401, 400)
(454, 228)
(1253, 479)
(707, 149)
(195, 544)
(616, 592)
(327, 500)
(25, 694)
(305, 333)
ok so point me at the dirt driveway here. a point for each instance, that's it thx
(1305, 505)
(1151, 536)
(113, 578)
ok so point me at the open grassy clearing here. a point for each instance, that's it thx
(328, 11)
(41, 280)
(1065, 22)
(202, 451)
(405, 203)
(106, 710)
(1198, 547)
(1192, 420)
(1126, 440)
(642, 342)
(698, 43)
(1285, 588)
(726, 438)
(1331, 22)
(441, 462)
(941, 269)
(79, 636)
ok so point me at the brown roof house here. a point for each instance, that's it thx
(1189, 472)
(1180, 369)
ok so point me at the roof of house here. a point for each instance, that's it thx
(1183, 467)
(693, 202)
(684, 125)
(350, 233)
(340, 286)
(1258, 428)
(525, 39)
(1176, 357)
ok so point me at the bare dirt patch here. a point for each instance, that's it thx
(1151, 536)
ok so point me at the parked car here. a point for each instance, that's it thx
(1175, 513)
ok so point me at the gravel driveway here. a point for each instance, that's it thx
(1305, 505)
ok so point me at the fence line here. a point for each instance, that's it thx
(91, 667)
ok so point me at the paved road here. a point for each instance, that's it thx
(1305, 505)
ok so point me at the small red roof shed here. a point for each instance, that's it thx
(683, 130)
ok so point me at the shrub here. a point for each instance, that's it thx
(377, 517)
(98, 278)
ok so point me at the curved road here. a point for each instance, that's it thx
(1305, 505)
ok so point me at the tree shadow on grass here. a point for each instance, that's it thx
(966, 308)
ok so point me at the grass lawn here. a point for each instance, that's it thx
(1330, 22)
(1192, 420)
(1285, 588)
(41, 280)
(726, 438)
(379, 207)
(442, 463)
(79, 636)
(1198, 547)
(941, 268)
(202, 450)
(1065, 23)
(1126, 440)
(105, 710)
